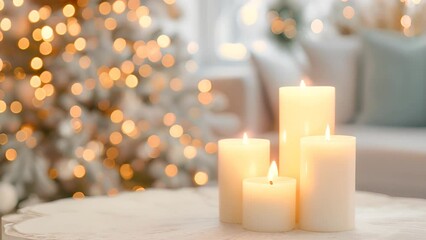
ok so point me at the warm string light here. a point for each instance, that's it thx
(41, 43)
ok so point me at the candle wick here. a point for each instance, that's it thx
(270, 182)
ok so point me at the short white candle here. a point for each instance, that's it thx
(327, 183)
(269, 203)
(239, 159)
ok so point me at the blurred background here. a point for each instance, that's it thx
(99, 97)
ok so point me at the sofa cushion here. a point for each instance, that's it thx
(276, 67)
(333, 62)
(390, 160)
(394, 79)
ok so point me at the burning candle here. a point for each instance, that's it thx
(269, 203)
(239, 159)
(327, 183)
(304, 111)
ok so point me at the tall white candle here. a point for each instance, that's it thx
(304, 111)
(327, 183)
(269, 203)
(239, 159)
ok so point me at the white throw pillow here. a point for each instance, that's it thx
(333, 62)
(276, 67)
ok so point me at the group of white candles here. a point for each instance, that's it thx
(315, 186)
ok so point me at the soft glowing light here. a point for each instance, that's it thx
(115, 138)
(33, 16)
(75, 111)
(145, 21)
(78, 195)
(3, 106)
(154, 141)
(117, 116)
(76, 88)
(273, 172)
(79, 171)
(145, 70)
(131, 81)
(84, 62)
(327, 133)
(190, 152)
(204, 86)
(119, 6)
(126, 171)
(40, 94)
(5, 24)
(406, 21)
(348, 12)
(47, 33)
(119, 44)
(233, 51)
(249, 14)
(317, 26)
(18, 3)
(142, 11)
(80, 44)
(211, 148)
(192, 47)
(169, 119)
(45, 48)
(105, 8)
(46, 76)
(16, 107)
(61, 28)
(168, 60)
(245, 138)
(11, 154)
(205, 98)
(201, 178)
(163, 41)
(36, 63)
(302, 83)
(171, 170)
(89, 155)
(68, 10)
(45, 12)
(169, 2)
(110, 24)
(176, 84)
(114, 73)
(128, 126)
(176, 131)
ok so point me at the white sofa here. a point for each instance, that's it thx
(390, 160)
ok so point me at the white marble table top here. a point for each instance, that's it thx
(193, 214)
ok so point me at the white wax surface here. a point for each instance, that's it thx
(238, 160)
(269, 208)
(327, 183)
(304, 111)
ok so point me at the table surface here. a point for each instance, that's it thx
(193, 214)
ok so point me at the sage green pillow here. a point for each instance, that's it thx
(394, 79)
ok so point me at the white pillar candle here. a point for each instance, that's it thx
(327, 183)
(269, 203)
(239, 159)
(304, 111)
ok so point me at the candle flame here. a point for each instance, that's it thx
(245, 138)
(273, 172)
(327, 133)
(302, 83)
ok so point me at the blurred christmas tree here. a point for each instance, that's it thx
(284, 17)
(97, 91)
